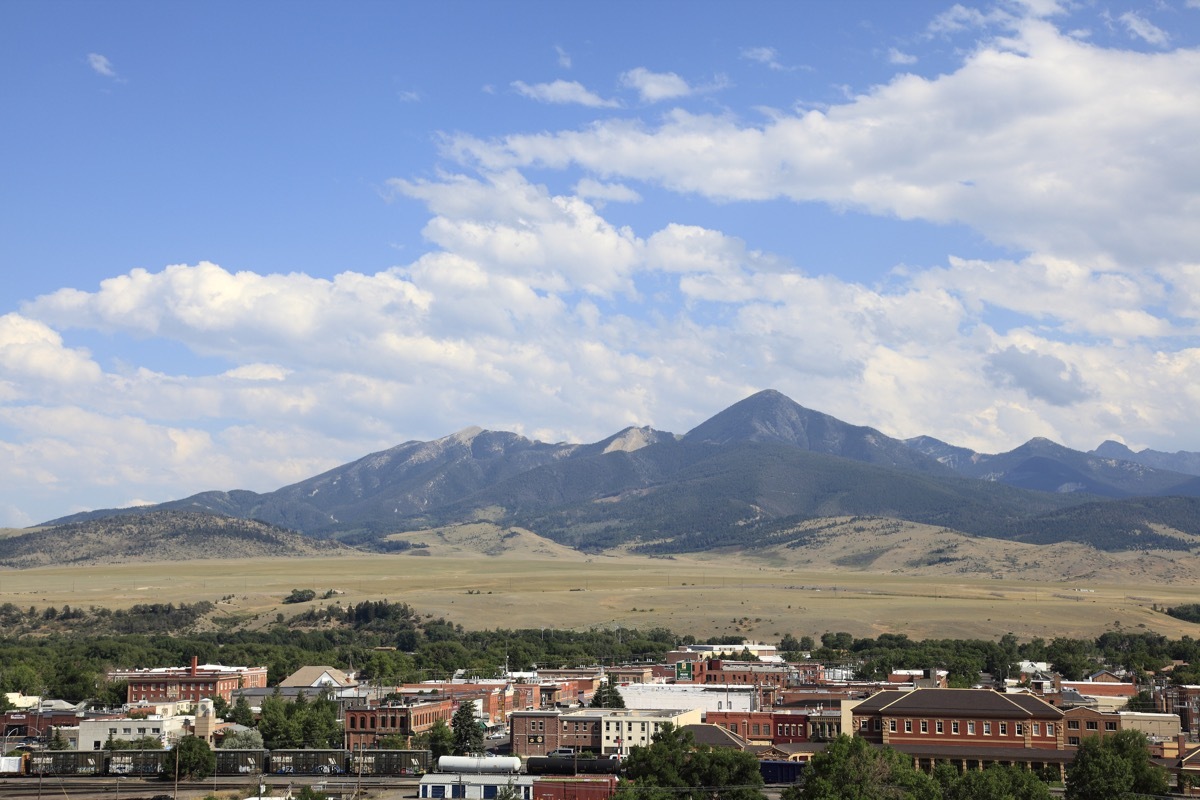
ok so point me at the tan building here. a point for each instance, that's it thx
(1082, 722)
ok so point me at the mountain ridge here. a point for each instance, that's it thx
(737, 479)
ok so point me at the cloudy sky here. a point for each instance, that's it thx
(242, 243)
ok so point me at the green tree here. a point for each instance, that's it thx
(57, 740)
(607, 696)
(220, 707)
(468, 735)
(675, 766)
(276, 728)
(194, 758)
(438, 740)
(242, 713)
(1113, 767)
(851, 769)
(997, 783)
(242, 740)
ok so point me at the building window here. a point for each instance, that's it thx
(1020, 729)
(1072, 724)
(878, 723)
(1092, 726)
(892, 725)
(971, 727)
(1004, 729)
(779, 729)
(987, 729)
(908, 726)
(953, 727)
(1049, 728)
(1037, 729)
(939, 726)
(1073, 740)
(1110, 726)
(924, 726)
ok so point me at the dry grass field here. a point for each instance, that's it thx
(531, 583)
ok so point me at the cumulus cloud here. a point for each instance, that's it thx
(1033, 154)
(1042, 376)
(563, 92)
(536, 309)
(897, 57)
(656, 86)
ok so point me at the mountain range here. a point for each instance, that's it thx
(752, 476)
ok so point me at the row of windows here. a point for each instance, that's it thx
(1092, 725)
(955, 727)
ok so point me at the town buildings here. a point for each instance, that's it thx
(193, 683)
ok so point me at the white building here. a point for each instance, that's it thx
(93, 733)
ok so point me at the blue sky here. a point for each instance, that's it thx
(244, 243)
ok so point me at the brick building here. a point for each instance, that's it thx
(602, 731)
(970, 728)
(167, 684)
(366, 725)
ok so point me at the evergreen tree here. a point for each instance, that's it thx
(468, 735)
(242, 713)
(607, 696)
(58, 741)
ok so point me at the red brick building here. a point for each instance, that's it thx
(366, 725)
(195, 682)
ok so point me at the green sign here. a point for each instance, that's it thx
(683, 670)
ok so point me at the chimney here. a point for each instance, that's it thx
(195, 665)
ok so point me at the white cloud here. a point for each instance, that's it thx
(258, 372)
(768, 56)
(564, 58)
(655, 86)
(32, 351)
(409, 96)
(101, 65)
(590, 189)
(1039, 141)
(1142, 28)
(897, 57)
(562, 92)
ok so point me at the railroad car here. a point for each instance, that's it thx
(307, 762)
(389, 762)
(241, 762)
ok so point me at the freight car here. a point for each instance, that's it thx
(589, 787)
(561, 765)
(67, 762)
(241, 762)
(389, 762)
(138, 763)
(307, 762)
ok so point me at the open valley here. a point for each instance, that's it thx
(704, 597)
